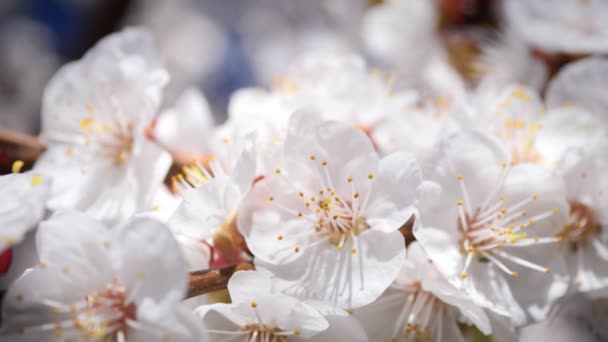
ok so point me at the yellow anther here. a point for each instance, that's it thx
(106, 244)
(356, 195)
(36, 180)
(17, 166)
(459, 177)
(516, 237)
(277, 171)
(501, 197)
(301, 194)
(166, 337)
(370, 175)
(535, 197)
(339, 247)
(492, 228)
(463, 275)
(470, 249)
(254, 304)
(503, 210)
(353, 250)
(503, 165)
(43, 264)
(324, 163)
(280, 237)
(459, 202)
(336, 217)
(155, 207)
(547, 270)
(350, 179)
(66, 270)
(297, 249)
(300, 214)
(555, 210)
(523, 213)
(271, 198)
(313, 157)
(86, 123)
(297, 332)
(514, 274)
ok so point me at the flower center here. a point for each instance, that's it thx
(416, 318)
(492, 225)
(259, 331)
(581, 225)
(195, 174)
(102, 315)
(113, 142)
(519, 134)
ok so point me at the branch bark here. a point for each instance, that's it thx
(206, 281)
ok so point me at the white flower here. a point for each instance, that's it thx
(94, 114)
(97, 284)
(420, 305)
(204, 223)
(531, 133)
(576, 318)
(260, 312)
(23, 205)
(416, 128)
(510, 60)
(585, 234)
(187, 127)
(493, 229)
(338, 86)
(326, 217)
(571, 26)
(580, 84)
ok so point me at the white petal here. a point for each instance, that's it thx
(25, 208)
(579, 83)
(83, 257)
(246, 286)
(187, 126)
(395, 192)
(149, 263)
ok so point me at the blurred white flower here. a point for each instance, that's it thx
(326, 217)
(192, 45)
(510, 60)
(571, 26)
(402, 36)
(585, 236)
(338, 86)
(94, 115)
(580, 84)
(576, 318)
(23, 205)
(421, 305)
(101, 284)
(493, 230)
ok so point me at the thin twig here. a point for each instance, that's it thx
(18, 146)
(203, 282)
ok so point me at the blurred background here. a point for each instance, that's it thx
(219, 46)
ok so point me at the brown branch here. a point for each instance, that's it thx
(20, 146)
(203, 282)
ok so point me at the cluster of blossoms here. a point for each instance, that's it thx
(370, 211)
